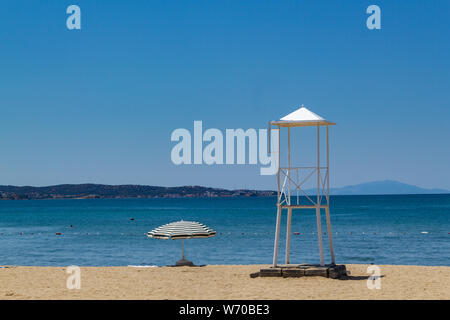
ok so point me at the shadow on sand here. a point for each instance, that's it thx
(358, 277)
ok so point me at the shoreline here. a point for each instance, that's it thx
(221, 282)
(6, 266)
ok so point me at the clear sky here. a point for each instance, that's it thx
(99, 104)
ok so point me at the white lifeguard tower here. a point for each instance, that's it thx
(294, 179)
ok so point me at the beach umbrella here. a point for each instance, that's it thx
(182, 230)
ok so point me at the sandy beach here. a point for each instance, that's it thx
(220, 282)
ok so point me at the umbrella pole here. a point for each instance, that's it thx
(182, 249)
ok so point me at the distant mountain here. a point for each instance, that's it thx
(383, 187)
(92, 191)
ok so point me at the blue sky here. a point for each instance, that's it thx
(99, 104)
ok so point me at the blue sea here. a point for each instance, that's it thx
(393, 229)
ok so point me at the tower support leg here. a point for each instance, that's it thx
(277, 237)
(288, 235)
(330, 235)
(319, 234)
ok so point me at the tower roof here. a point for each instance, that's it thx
(302, 117)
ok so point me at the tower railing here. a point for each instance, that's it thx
(293, 179)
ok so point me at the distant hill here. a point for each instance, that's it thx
(92, 191)
(383, 187)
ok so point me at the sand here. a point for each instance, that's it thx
(220, 282)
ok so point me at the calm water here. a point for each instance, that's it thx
(366, 229)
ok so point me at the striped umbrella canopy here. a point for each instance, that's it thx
(182, 230)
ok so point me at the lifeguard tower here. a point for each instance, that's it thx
(292, 180)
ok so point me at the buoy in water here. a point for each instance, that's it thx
(132, 219)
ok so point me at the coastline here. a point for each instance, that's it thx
(222, 282)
